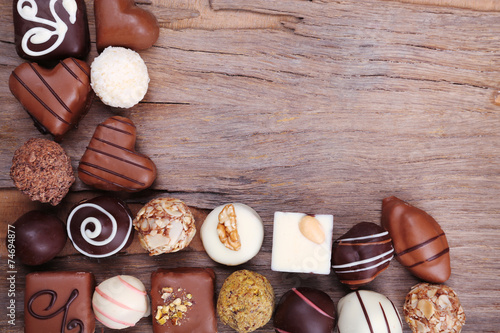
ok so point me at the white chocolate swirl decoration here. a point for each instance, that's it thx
(28, 10)
(95, 231)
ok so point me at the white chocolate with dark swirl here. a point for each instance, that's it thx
(100, 227)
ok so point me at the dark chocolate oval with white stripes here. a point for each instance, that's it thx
(305, 310)
(111, 163)
(420, 244)
(56, 99)
(361, 254)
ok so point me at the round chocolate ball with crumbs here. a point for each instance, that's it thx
(39, 237)
(305, 310)
(42, 170)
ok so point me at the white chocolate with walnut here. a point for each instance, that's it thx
(249, 227)
(165, 225)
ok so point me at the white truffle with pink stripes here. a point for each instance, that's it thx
(120, 302)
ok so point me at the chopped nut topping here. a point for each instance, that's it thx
(227, 229)
(176, 305)
(433, 308)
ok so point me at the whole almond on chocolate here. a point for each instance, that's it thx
(419, 242)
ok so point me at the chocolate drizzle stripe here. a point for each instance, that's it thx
(39, 99)
(119, 147)
(364, 311)
(90, 174)
(114, 301)
(442, 253)
(385, 318)
(364, 268)
(123, 121)
(311, 304)
(382, 234)
(115, 129)
(52, 91)
(365, 261)
(73, 74)
(397, 313)
(119, 158)
(418, 246)
(98, 167)
(81, 67)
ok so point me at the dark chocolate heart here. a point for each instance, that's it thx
(110, 161)
(122, 23)
(55, 98)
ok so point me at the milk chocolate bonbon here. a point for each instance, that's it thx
(40, 236)
(183, 300)
(110, 161)
(58, 302)
(420, 244)
(361, 254)
(123, 23)
(47, 31)
(57, 98)
(304, 310)
(100, 227)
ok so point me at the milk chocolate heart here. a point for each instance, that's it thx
(55, 98)
(110, 161)
(122, 23)
(419, 242)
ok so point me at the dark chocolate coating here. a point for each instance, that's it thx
(122, 23)
(419, 242)
(199, 282)
(59, 302)
(75, 42)
(56, 99)
(39, 237)
(95, 212)
(110, 161)
(361, 254)
(305, 310)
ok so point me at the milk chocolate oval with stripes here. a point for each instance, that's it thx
(361, 254)
(56, 99)
(110, 161)
(420, 244)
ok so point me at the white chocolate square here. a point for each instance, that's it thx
(293, 252)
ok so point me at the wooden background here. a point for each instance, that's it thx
(308, 106)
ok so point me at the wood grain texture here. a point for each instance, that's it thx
(310, 106)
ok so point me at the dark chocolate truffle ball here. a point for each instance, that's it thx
(39, 237)
(304, 310)
(361, 254)
(100, 227)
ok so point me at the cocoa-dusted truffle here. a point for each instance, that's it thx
(361, 254)
(42, 170)
(433, 308)
(165, 225)
(246, 301)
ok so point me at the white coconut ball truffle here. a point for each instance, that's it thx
(119, 77)
(120, 302)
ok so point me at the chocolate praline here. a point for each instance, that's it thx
(100, 227)
(304, 310)
(40, 236)
(361, 254)
(47, 31)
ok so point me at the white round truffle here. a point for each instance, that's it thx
(365, 311)
(119, 77)
(120, 302)
(250, 230)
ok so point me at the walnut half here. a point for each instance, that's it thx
(227, 229)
